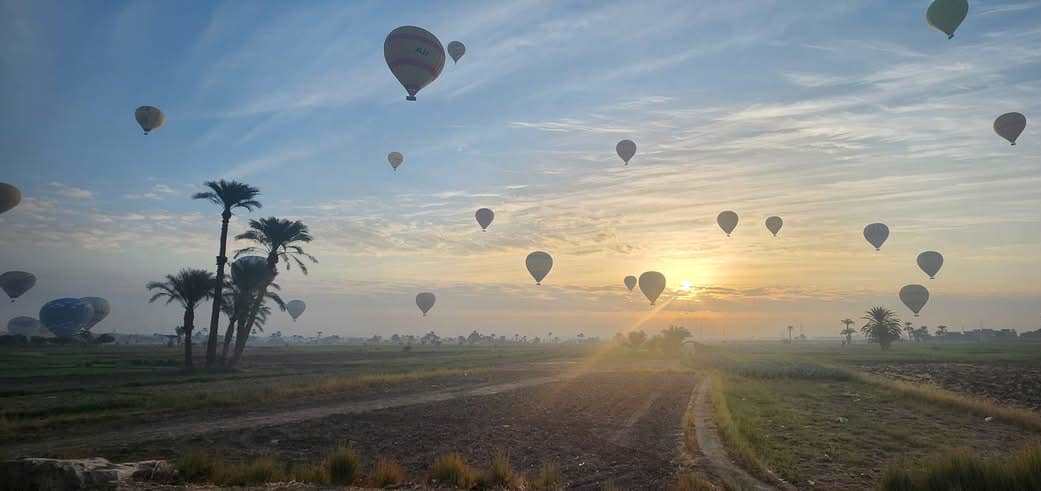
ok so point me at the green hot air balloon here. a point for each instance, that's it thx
(946, 15)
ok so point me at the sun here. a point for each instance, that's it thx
(686, 285)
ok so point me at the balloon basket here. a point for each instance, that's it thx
(410, 98)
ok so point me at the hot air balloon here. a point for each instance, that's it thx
(773, 224)
(930, 262)
(66, 317)
(630, 282)
(425, 302)
(876, 234)
(652, 283)
(414, 56)
(946, 15)
(16, 283)
(395, 159)
(10, 196)
(150, 118)
(295, 308)
(100, 308)
(484, 218)
(727, 221)
(24, 326)
(539, 263)
(456, 50)
(626, 149)
(914, 297)
(1010, 125)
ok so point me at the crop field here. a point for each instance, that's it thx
(730, 416)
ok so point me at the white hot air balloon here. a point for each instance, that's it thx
(296, 308)
(727, 221)
(930, 262)
(414, 56)
(395, 159)
(456, 50)
(946, 15)
(773, 224)
(630, 282)
(652, 283)
(914, 297)
(150, 118)
(1010, 125)
(425, 302)
(876, 234)
(626, 149)
(539, 263)
(484, 218)
(10, 196)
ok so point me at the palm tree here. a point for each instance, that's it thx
(228, 195)
(280, 240)
(188, 287)
(848, 331)
(882, 327)
(247, 280)
(941, 331)
(790, 328)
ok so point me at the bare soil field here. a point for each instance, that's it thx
(1009, 384)
(618, 427)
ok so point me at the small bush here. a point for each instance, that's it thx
(548, 478)
(257, 471)
(967, 471)
(196, 466)
(387, 473)
(452, 470)
(341, 466)
(500, 473)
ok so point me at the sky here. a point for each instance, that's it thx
(830, 114)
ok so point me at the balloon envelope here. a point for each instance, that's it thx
(727, 221)
(149, 118)
(295, 308)
(773, 224)
(395, 159)
(876, 234)
(652, 283)
(930, 262)
(626, 149)
(630, 282)
(65, 317)
(456, 50)
(946, 15)
(914, 297)
(25, 326)
(539, 263)
(1010, 125)
(101, 309)
(10, 196)
(16, 283)
(425, 301)
(414, 56)
(484, 217)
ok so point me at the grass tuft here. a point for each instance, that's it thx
(452, 470)
(964, 470)
(341, 466)
(500, 474)
(548, 478)
(387, 473)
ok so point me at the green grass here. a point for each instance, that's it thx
(964, 470)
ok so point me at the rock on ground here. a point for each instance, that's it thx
(32, 474)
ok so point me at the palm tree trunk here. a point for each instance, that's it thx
(228, 335)
(245, 328)
(222, 260)
(189, 324)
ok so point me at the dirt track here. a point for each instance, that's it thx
(1005, 384)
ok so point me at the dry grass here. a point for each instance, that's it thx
(387, 473)
(452, 470)
(548, 478)
(500, 473)
(693, 482)
(966, 471)
(1015, 416)
(202, 467)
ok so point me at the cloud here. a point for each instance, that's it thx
(158, 192)
(70, 192)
